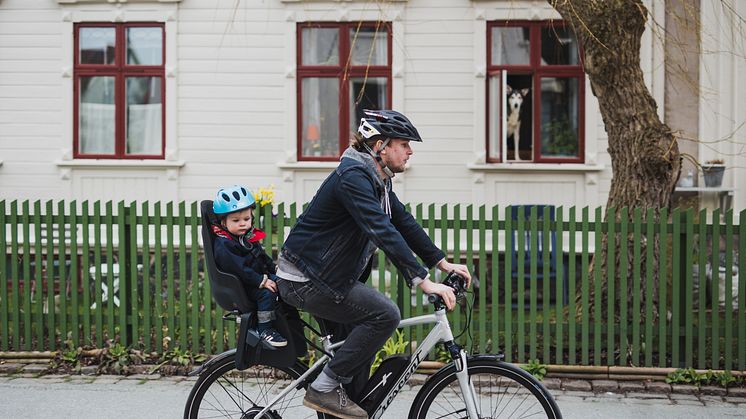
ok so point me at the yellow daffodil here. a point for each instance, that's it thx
(265, 196)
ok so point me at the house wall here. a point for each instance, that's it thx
(682, 70)
(231, 102)
(722, 101)
(30, 99)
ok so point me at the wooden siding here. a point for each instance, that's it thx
(232, 110)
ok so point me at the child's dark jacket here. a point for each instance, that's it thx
(248, 264)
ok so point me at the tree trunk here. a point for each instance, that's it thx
(644, 153)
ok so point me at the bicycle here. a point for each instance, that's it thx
(476, 386)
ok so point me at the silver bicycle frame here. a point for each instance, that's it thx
(441, 332)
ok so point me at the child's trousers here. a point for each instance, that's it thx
(265, 303)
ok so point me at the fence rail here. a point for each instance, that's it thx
(92, 272)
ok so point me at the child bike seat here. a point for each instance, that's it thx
(226, 288)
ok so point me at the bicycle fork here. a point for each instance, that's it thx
(467, 389)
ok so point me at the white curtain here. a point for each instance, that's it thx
(366, 40)
(144, 129)
(96, 129)
(509, 46)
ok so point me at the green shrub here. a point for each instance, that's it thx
(535, 368)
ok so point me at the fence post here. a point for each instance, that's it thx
(684, 240)
(125, 277)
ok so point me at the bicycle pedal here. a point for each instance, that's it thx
(253, 338)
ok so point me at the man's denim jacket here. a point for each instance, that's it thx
(330, 241)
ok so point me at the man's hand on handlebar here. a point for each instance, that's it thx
(462, 270)
(444, 291)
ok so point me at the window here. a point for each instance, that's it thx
(118, 91)
(535, 93)
(343, 68)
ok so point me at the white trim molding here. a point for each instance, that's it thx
(536, 167)
(119, 164)
(308, 165)
(170, 167)
(63, 2)
(334, 1)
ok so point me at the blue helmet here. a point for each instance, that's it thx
(232, 199)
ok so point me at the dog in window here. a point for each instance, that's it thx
(515, 101)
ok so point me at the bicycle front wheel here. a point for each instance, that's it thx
(501, 390)
(225, 392)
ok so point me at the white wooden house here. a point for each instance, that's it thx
(169, 99)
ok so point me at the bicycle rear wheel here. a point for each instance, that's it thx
(223, 391)
(502, 391)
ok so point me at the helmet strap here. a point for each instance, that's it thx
(245, 239)
(377, 156)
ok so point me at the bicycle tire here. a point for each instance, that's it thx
(222, 391)
(503, 391)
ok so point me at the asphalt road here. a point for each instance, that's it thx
(82, 397)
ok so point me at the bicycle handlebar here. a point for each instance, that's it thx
(456, 282)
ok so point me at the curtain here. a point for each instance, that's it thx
(144, 129)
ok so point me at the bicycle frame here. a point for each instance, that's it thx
(441, 332)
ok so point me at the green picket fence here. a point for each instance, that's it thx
(91, 273)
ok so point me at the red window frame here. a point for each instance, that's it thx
(120, 70)
(537, 72)
(343, 73)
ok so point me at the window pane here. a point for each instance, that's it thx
(320, 46)
(366, 94)
(97, 45)
(558, 46)
(96, 122)
(144, 46)
(143, 126)
(510, 46)
(320, 125)
(559, 117)
(494, 134)
(369, 46)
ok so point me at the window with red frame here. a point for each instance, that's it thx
(535, 92)
(342, 69)
(118, 91)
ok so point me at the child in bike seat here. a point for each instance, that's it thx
(238, 251)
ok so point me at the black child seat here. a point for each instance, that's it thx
(231, 295)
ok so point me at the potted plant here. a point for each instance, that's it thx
(713, 172)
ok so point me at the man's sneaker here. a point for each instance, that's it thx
(334, 403)
(273, 338)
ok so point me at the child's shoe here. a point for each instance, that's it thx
(273, 338)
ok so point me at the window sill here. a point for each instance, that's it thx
(311, 1)
(685, 189)
(535, 167)
(120, 164)
(115, 1)
(308, 165)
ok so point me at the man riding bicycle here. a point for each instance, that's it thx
(327, 256)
